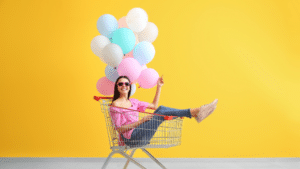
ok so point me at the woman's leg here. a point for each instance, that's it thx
(163, 110)
(144, 132)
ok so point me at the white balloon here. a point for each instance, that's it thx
(112, 54)
(133, 89)
(149, 33)
(98, 44)
(137, 19)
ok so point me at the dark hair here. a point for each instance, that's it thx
(116, 92)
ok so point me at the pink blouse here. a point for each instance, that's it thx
(121, 117)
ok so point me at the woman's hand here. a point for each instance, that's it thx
(160, 81)
(147, 118)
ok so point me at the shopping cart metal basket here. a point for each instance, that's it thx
(168, 134)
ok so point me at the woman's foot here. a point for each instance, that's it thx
(206, 110)
(215, 103)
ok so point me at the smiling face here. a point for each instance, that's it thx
(123, 89)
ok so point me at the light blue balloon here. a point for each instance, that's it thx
(111, 73)
(107, 24)
(125, 38)
(133, 89)
(144, 52)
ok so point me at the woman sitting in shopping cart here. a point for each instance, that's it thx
(135, 131)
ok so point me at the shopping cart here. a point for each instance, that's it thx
(168, 134)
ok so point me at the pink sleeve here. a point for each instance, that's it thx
(116, 118)
(142, 106)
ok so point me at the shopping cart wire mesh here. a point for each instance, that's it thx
(165, 131)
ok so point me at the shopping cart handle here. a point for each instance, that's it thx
(97, 98)
(170, 117)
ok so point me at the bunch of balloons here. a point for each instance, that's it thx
(126, 47)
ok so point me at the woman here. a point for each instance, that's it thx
(135, 132)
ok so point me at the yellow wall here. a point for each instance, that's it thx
(245, 53)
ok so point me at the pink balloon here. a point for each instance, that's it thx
(130, 67)
(105, 86)
(148, 78)
(122, 22)
(135, 81)
(143, 68)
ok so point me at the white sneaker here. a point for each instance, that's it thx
(215, 103)
(205, 111)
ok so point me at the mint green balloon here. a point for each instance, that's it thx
(125, 38)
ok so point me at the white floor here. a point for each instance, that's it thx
(173, 163)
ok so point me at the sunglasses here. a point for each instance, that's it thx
(121, 84)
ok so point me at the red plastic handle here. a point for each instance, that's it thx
(100, 97)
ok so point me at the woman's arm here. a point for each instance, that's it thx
(154, 104)
(128, 127)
